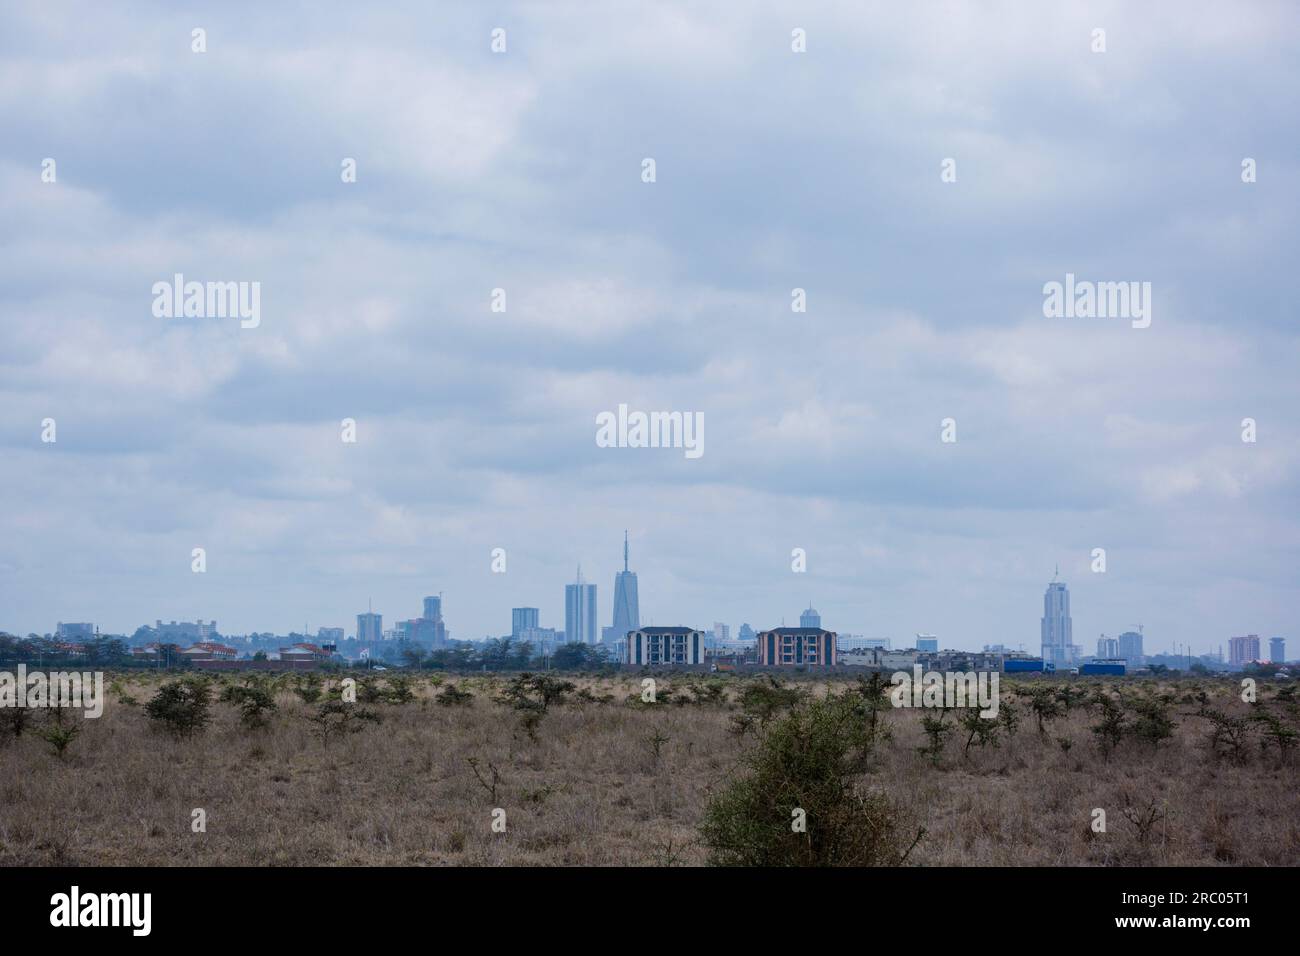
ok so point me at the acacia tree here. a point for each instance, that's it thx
(181, 706)
(800, 800)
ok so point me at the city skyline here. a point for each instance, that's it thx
(785, 181)
(1056, 642)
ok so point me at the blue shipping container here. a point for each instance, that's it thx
(1102, 669)
(1013, 665)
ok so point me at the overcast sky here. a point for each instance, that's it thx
(774, 170)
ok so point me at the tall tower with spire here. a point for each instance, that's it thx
(627, 609)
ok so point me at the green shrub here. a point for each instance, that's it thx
(1153, 723)
(254, 700)
(60, 736)
(398, 690)
(807, 760)
(334, 718)
(765, 700)
(452, 696)
(536, 692)
(181, 706)
(309, 688)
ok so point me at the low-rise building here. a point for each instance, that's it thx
(304, 652)
(650, 646)
(953, 660)
(209, 651)
(796, 647)
(878, 657)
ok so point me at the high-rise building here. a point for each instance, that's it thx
(746, 633)
(1242, 650)
(1057, 627)
(523, 619)
(1277, 650)
(721, 632)
(927, 643)
(580, 612)
(74, 632)
(185, 630)
(433, 608)
(627, 609)
(810, 618)
(1108, 648)
(370, 626)
(1130, 648)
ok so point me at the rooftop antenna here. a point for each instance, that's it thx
(625, 550)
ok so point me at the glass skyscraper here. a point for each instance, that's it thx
(1057, 628)
(580, 612)
(627, 610)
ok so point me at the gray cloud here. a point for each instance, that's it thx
(775, 171)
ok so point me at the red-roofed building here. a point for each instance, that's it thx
(304, 652)
(210, 651)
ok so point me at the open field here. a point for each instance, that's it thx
(610, 780)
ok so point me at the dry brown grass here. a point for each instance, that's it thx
(590, 790)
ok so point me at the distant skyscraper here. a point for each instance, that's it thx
(1242, 650)
(927, 644)
(1057, 627)
(523, 619)
(433, 608)
(580, 612)
(627, 609)
(1277, 649)
(810, 618)
(1130, 648)
(429, 629)
(746, 633)
(1108, 647)
(370, 626)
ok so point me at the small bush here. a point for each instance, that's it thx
(255, 702)
(765, 700)
(536, 692)
(181, 706)
(937, 731)
(1112, 726)
(398, 690)
(453, 696)
(309, 688)
(337, 719)
(60, 736)
(14, 720)
(1153, 723)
